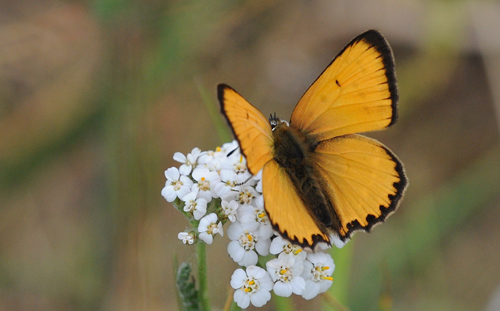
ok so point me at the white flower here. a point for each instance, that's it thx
(286, 271)
(197, 207)
(252, 286)
(211, 159)
(187, 161)
(279, 245)
(318, 269)
(246, 195)
(206, 182)
(337, 241)
(240, 168)
(229, 209)
(334, 238)
(244, 244)
(186, 237)
(208, 227)
(253, 217)
(231, 146)
(226, 189)
(176, 186)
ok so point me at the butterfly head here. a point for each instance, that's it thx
(276, 122)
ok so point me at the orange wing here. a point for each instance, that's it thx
(286, 210)
(356, 93)
(363, 179)
(250, 127)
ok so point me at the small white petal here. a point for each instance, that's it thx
(172, 174)
(266, 283)
(249, 258)
(219, 229)
(311, 290)
(168, 193)
(238, 278)
(241, 299)
(199, 172)
(262, 246)
(260, 298)
(298, 285)
(277, 245)
(201, 209)
(193, 155)
(179, 157)
(266, 231)
(248, 222)
(185, 169)
(191, 196)
(324, 285)
(207, 238)
(338, 242)
(256, 272)
(235, 251)
(234, 231)
(204, 194)
(182, 235)
(259, 186)
(282, 289)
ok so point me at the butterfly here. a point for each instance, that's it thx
(321, 178)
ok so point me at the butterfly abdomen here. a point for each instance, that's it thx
(292, 151)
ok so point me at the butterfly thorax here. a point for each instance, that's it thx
(292, 151)
(290, 146)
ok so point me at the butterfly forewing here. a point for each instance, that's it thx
(250, 127)
(363, 179)
(356, 93)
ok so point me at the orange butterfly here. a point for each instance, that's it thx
(319, 178)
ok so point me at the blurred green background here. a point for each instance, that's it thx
(96, 96)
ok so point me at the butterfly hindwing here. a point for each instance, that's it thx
(286, 210)
(250, 127)
(363, 179)
(356, 93)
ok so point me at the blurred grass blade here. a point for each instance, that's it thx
(333, 303)
(341, 276)
(212, 108)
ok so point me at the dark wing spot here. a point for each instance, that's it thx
(337, 82)
(371, 218)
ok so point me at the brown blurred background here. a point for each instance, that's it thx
(96, 96)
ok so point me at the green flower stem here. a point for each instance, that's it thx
(282, 303)
(203, 296)
(234, 307)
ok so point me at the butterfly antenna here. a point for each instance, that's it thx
(242, 183)
(232, 151)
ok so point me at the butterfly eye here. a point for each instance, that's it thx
(275, 121)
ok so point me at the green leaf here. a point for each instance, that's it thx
(186, 288)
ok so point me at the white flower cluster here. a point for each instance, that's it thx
(215, 187)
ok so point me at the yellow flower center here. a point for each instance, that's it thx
(177, 185)
(247, 241)
(319, 273)
(204, 184)
(250, 285)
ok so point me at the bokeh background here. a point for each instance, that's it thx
(96, 96)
